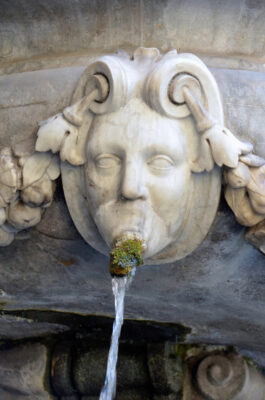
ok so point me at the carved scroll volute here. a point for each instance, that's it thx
(222, 377)
(227, 376)
(109, 76)
(164, 86)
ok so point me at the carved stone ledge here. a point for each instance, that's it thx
(79, 371)
(166, 370)
(75, 369)
(143, 373)
(205, 373)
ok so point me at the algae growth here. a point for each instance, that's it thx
(125, 257)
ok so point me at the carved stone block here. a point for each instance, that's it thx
(23, 373)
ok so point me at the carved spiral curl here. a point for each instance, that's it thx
(114, 95)
(164, 86)
(222, 377)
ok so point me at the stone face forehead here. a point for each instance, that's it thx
(134, 109)
(138, 122)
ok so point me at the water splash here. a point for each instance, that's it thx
(119, 286)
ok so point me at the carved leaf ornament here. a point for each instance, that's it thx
(178, 87)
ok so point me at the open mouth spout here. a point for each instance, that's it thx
(127, 254)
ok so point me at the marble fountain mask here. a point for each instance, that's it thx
(139, 151)
(137, 175)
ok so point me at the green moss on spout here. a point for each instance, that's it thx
(125, 256)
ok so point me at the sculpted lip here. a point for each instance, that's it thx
(133, 235)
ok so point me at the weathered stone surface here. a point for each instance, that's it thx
(165, 368)
(57, 32)
(78, 368)
(219, 296)
(89, 367)
(176, 371)
(61, 370)
(244, 102)
(218, 291)
(75, 371)
(256, 236)
(14, 328)
(23, 373)
(126, 395)
(56, 221)
(26, 99)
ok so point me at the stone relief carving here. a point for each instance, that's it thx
(221, 374)
(158, 371)
(139, 151)
(26, 189)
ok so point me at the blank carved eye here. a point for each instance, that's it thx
(161, 162)
(107, 161)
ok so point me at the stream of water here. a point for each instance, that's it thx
(119, 286)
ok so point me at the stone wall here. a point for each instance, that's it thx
(217, 293)
(67, 369)
(47, 34)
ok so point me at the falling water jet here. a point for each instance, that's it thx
(124, 258)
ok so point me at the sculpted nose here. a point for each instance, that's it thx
(132, 183)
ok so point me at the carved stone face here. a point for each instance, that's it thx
(138, 161)
(137, 175)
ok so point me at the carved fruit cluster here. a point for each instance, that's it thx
(26, 189)
(244, 171)
(245, 190)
